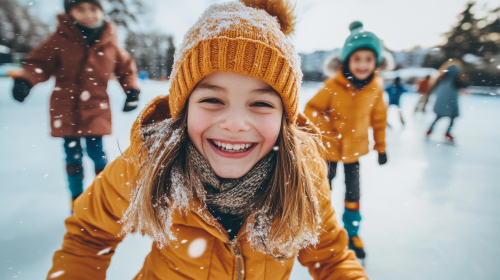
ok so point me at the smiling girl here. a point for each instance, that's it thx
(349, 103)
(223, 174)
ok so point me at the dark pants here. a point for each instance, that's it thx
(437, 119)
(351, 217)
(351, 170)
(74, 160)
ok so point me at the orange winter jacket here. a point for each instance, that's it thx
(344, 114)
(93, 234)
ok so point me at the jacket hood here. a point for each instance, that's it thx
(68, 29)
(333, 64)
(449, 63)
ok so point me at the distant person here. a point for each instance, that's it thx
(447, 88)
(83, 54)
(143, 75)
(395, 91)
(349, 103)
(424, 87)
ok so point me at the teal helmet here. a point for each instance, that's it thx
(361, 39)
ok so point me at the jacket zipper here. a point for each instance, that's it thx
(80, 89)
(240, 264)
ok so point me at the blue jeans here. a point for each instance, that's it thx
(74, 160)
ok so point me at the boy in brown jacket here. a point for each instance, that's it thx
(82, 54)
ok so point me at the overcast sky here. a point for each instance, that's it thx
(322, 24)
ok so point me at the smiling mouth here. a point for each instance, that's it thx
(233, 148)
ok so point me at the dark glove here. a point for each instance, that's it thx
(21, 89)
(132, 100)
(382, 158)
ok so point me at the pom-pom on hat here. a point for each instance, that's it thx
(247, 37)
(361, 39)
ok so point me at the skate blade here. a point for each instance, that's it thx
(449, 142)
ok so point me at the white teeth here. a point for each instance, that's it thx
(233, 147)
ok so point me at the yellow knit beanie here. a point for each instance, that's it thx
(247, 37)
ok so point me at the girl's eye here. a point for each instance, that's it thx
(211, 101)
(262, 104)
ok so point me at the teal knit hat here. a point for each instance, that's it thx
(361, 39)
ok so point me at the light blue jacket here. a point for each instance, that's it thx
(446, 91)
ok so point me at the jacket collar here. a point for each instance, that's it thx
(341, 80)
(68, 29)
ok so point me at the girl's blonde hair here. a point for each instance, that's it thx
(286, 217)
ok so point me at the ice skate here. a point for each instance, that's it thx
(72, 205)
(449, 139)
(356, 244)
(428, 134)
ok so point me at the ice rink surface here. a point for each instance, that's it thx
(431, 213)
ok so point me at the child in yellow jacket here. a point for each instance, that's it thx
(344, 109)
(223, 174)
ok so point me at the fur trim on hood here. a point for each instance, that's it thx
(449, 63)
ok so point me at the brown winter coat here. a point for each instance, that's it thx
(92, 234)
(344, 116)
(79, 105)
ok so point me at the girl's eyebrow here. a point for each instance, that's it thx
(211, 87)
(268, 90)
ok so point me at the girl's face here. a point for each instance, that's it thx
(362, 64)
(87, 14)
(234, 121)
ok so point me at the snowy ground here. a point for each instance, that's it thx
(430, 213)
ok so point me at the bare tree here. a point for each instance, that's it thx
(19, 30)
(152, 52)
(122, 12)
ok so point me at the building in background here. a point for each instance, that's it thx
(410, 59)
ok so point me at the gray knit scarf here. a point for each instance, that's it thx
(232, 196)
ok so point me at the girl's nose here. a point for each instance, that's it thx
(235, 120)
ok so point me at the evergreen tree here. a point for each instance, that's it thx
(464, 37)
(490, 34)
(475, 41)
(151, 51)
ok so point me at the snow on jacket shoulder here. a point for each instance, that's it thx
(79, 104)
(344, 116)
(202, 252)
